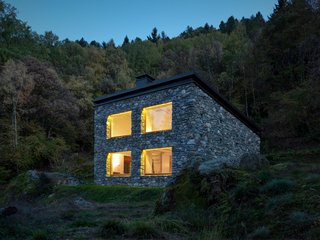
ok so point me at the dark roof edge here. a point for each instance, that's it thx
(133, 91)
(177, 81)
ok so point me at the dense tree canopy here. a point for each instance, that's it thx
(269, 69)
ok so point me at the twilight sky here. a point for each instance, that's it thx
(102, 20)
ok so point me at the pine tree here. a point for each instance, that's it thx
(125, 41)
(154, 35)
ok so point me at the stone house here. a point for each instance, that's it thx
(145, 135)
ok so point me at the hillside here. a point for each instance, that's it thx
(267, 68)
(278, 202)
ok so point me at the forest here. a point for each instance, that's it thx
(268, 68)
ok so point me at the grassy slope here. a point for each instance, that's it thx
(279, 202)
(82, 212)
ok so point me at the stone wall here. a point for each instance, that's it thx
(218, 134)
(200, 127)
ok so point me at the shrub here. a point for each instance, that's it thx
(279, 201)
(40, 235)
(4, 175)
(244, 190)
(264, 176)
(298, 218)
(143, 230)
(277, 186)
(170, 224)
(209, 234)
(24, 186)
(260, 233)
(68, 215)
(83, 223)
(111, 228)
(312, 178)
(38, 151)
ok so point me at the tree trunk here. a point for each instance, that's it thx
(14, 125)
(253, 94)
(49, 132)
(246, 98)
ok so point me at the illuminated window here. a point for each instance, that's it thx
(156, 161)
(119, 164)
(119, 124)
(156, 118)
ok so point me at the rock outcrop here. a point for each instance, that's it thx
(54, 177)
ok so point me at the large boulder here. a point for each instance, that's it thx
(211, 166)
(214, 165)
(54, 177)
(253, 161)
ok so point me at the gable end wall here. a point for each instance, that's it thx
(218, 134)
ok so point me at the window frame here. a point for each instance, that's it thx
(109, 164)
(109, 125)
(143, 163)
(144, 116)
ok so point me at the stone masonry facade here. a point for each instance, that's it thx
(201, 128)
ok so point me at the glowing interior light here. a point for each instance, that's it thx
(116, 158)
(119, 164)
(119, 124)
(157, 161)
(157, 118)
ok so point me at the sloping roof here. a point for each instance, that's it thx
(179, 80)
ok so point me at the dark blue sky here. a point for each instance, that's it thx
(102, 20)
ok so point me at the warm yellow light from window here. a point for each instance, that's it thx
(156, 118)
(119, 124)
(119, 164)
(156, 162)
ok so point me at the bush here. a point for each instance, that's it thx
(40, 235)
(4, 175)
(279, 201)
(260, 233)
(83, 223)
(244, 191)
(301, 219)
(68, 215)
(277, 186)
(312, 178)
(24, 186)
(38, 151)
(143, 230)
(170, 225)
(111, 228)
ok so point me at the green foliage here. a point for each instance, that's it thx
(37, 151)
(260, 233)
(83, 223)
(40, 235)
(277, 186)
(276, 203)
(299, 218)
(264, 204)
(111, 228)
(104, 194)
(170, 224)
(23, 186)
(9, 229)
(143, 230)
(4, 175)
